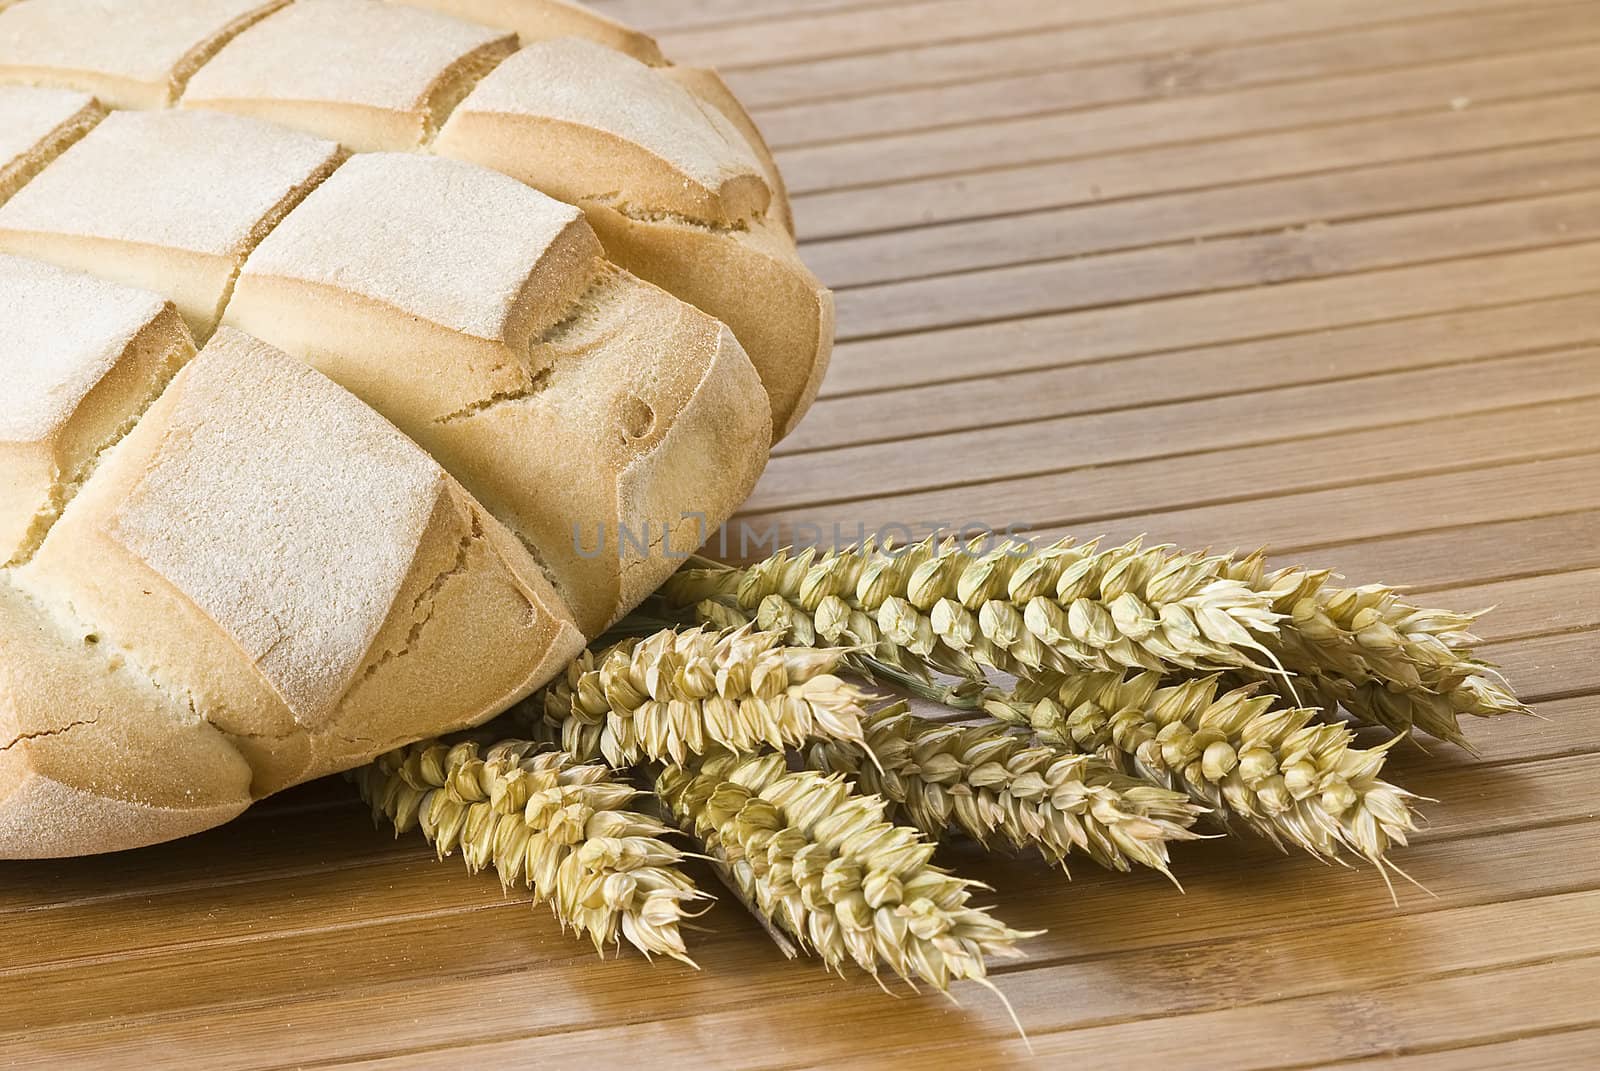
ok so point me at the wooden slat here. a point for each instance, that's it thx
(893, 27)
(1436, 183)
(1484, 552)
(1529, 606)
(980, 148)
(1276, 417)
(1191, 62)
(1243, 161)
(1188, 44)
(680, 14)
(1553, 1051)
(1297, 309)
(1162, 378)
(1259, 260)
(1297, 522)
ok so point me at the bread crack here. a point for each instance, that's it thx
(539, 380)
(62, 491)
(535, 385)
(656, 215)
(422, 607)
(42, 733)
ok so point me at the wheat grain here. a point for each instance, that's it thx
(896, 666)
(906, 651)
(542, 818)
(1272, 768)
(826, 866)
(1386, 661)
(997, 786)
(677, 694)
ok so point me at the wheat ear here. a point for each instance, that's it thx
(995, 785)
(1386, 661)
(1064, 608)
(677, 694)
(1272, 768)
(546, 819)
(825, 865)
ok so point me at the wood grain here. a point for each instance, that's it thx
(1317, 274)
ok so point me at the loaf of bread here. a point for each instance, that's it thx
(366, 358)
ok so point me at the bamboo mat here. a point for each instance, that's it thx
(1321, 274)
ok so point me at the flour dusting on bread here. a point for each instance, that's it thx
(295, 550)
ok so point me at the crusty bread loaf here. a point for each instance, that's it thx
(580, 113)
(542, 20)
(225, 572)
(671, 186)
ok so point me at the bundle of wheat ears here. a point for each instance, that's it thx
(1103, 703)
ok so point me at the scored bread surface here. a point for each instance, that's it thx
(478, 315)
(129, 53)
(583, 121)
(81, 356)
(467, 250)
(169, 201)
(541, 20)
(601, 130)
(235, 574)
(684, 157)
(273, 555)
(367, 73)
(36, 126)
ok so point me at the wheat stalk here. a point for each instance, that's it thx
(825, 865)
(677, 694)
(1272, 768)
(1060, 609)
(1386, 661)
(997, 786)
(541, 817)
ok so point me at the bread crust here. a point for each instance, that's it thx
(373, 76)
(84, 358)
(36, 126)
(133, 54)
(543, 20)
(612, 513)
(93, 757)
(528, 402)
(688, 213)
(256, 636)
(708, 86)
(749, 278)
(166, 201)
